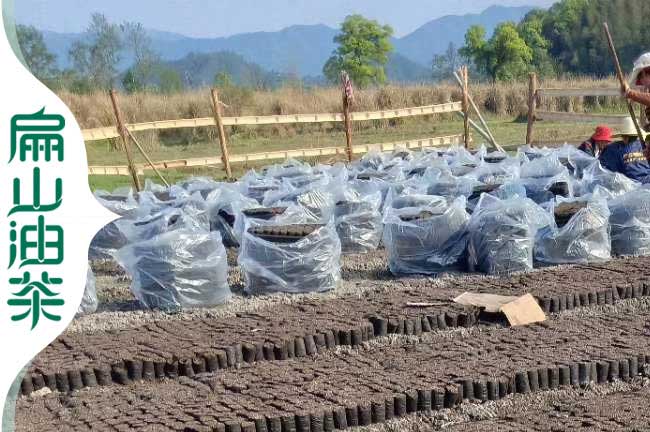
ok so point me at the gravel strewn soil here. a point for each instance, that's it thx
(377, 381)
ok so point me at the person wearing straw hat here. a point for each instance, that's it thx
(640, 79)
(595, 145)
(627, 155)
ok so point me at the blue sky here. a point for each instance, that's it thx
(212, 18)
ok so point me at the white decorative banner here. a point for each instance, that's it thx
(47, 218)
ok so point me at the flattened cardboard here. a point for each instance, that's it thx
(489, 302)
(517, 310)
(525, 310)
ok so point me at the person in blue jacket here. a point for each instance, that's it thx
(628, 155)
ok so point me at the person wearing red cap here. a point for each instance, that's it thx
(598, 141)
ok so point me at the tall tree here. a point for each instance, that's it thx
(504, 57)
(97, 57)
(444, 65)
(363, 49)
(138, 44)
(40, 61)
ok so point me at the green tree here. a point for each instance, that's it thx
(40, 61)
(444, 65)
(97, 57)
(363, 49)
(223, 80)
(138, 44)
(531, 31)
(504, 57)
(170, 81)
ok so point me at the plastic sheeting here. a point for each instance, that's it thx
(110, 238)
(358, 221)
(184, 268)
(89, 301)
(584, 239)
(225, 205)
(615, 183)
(426, 240)
(630, 223)
(502, 233)
(310, 264)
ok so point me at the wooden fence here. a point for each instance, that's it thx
(535, 94)
(125, 132)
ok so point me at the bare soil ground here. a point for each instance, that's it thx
(371, 383)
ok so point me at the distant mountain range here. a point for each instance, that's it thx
(302, 50)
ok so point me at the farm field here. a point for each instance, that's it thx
(356, 357)
(380, 352)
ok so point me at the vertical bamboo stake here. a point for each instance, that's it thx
(465, 77)
(345, 81)
(532, 106)
(121, 128)
(216, 107)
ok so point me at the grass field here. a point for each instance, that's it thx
(504, 105)
(508, 132)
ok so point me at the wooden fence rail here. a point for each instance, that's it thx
(442, 141)
(535, 93)
(111, 131)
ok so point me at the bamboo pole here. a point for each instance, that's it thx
(345, 82)
(532, 106)
(146, 156)
(466, 124)
(486, 129)
(476, 127)
(123, 131)
(216, 108)
(621, 79)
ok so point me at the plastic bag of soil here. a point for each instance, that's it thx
(449, 186)
(579, 233)
(192, 213)
(89, 301)
(426, 240)
(630, 223)
(295, 258)
(545, 178)
(616, 183)
(501, 234)
(576, 161)
(316, 199)
(225, 205)
(184, 268)
(358, 221)
(289, 169)
(110, 238)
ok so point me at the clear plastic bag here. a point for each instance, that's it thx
(630, 223)
(426, 240)
(192, 213)
(110, 238)
(616, 183)
(449, 186)
(89, 301)
(315, 200)
(225, 205)
(358, 221)
(310, 264)
(501, 234)
(584, 239)
(184, 268)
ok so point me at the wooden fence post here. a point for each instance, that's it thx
(532, 106)
(347, 99)
(216, 107)
(465, 77)
(124, 134)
